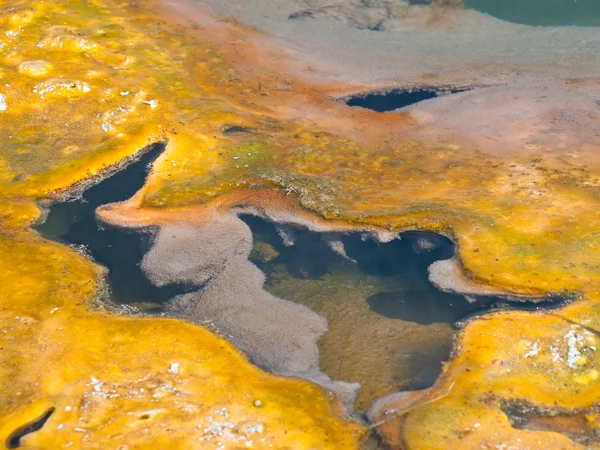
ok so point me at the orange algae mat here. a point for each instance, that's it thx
(86, 86)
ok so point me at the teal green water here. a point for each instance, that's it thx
(541, 12)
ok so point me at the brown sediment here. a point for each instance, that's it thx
(271, 204)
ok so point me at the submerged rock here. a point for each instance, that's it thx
(263, 252)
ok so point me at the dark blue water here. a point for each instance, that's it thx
(382, 102)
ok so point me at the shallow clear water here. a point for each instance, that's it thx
(389, 328)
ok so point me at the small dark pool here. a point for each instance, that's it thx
(390, 101)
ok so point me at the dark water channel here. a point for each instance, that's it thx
(389, 328)
(74, 223)
(395, 99)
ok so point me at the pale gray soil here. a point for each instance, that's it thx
(463, 46)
